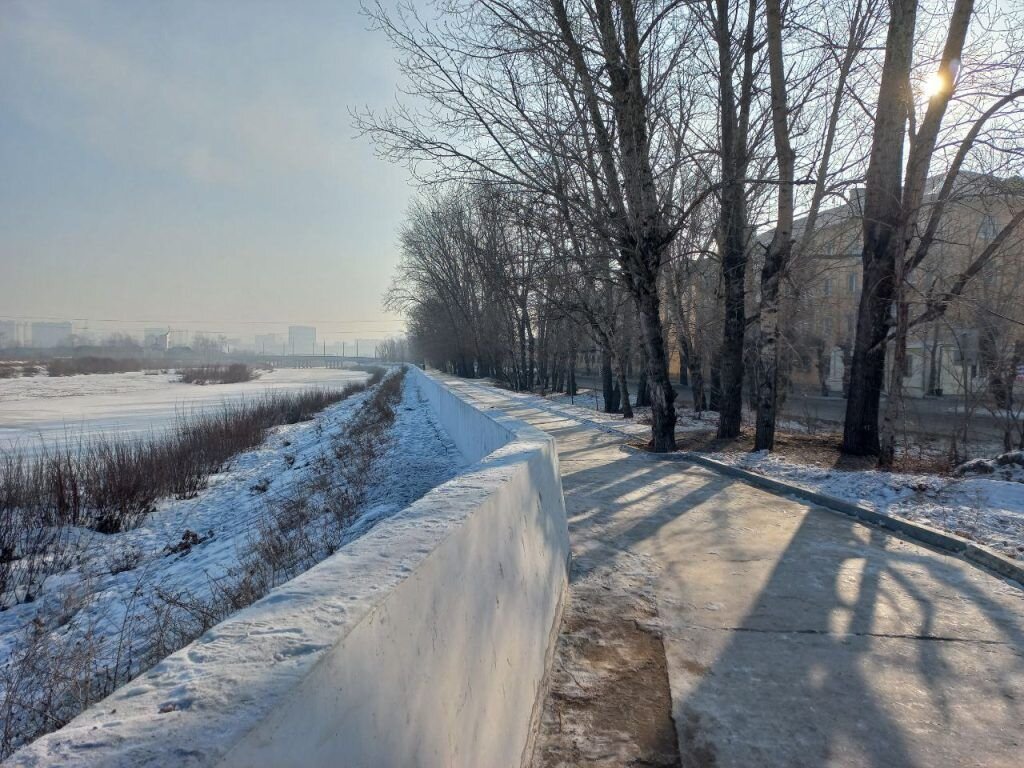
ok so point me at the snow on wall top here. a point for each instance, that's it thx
(194, 706)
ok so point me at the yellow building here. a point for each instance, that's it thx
(979, 337)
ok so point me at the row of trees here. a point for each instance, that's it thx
(619, 173)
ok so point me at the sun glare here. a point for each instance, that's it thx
(934, 85)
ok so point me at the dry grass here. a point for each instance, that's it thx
(64, 661)
(234, 373)
(815, 450)
(299, 529)
(109, 484)
(13, 369)
(78, 365)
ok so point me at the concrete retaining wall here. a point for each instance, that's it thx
(424, 643)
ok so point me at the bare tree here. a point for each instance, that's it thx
(584, 101)
(894, 196)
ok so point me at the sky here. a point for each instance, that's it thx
(194, 164)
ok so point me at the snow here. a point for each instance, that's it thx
(419, 456)
(402, 591)
(988, 509)
(588, 405)
(60, 408)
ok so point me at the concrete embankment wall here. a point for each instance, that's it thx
(423, 643)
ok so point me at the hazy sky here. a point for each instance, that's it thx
(195, 162)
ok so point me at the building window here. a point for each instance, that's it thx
(851, 282)
(849, 324)
(828, 286)
(826, 327)
(987, 230)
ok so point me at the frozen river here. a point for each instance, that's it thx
(61, 408)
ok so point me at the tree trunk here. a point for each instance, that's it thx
(934, 377)
(777, 257)
(733, 225)
(620, 375)
(883, 213)
(894, 401)
(730, 366)
(867, 366)
(659, 385)
(891, 208)
(607, 382)
(643, 397)
(700, 401)
(531, 345)
(714, 393)
(691, 362)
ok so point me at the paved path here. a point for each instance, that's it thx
(789, 635)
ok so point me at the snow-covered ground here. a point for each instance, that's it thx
(986, 508)
(112, 584)
(589, 405)
(67, 407)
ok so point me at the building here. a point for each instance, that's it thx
(156, 339)
(47, 335)
(178, 339)
(9, 336)
(301, 340)
(961, 352)
(271, 344)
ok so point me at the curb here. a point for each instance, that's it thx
(977, 554)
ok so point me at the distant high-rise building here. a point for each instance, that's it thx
(178, 339)
(270, 344)
(301, 340)
(48, 335)
(156, 338)
(8, 334)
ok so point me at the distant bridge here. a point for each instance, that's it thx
(314, 361)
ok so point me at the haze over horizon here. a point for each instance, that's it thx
(195, 164)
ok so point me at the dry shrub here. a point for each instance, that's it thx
(298, 529)
(53, 675)
(76, 365)
(235, 373)
(58, 668)
(110, 484)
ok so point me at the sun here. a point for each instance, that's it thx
(934, 85)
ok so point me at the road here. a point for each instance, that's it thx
(710, 623)
(932, 417)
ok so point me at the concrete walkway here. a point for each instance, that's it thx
(783, 634)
